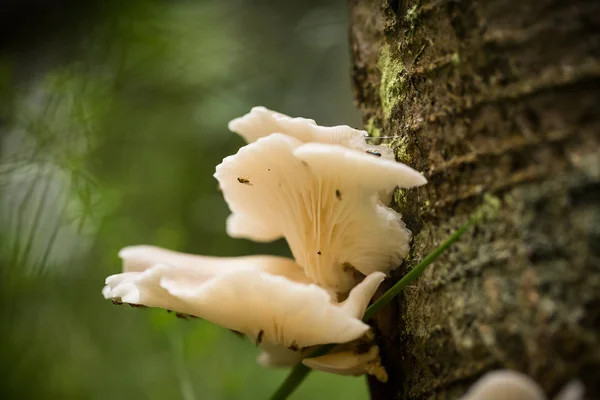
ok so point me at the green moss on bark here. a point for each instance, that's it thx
(392, 89)
(479, 100)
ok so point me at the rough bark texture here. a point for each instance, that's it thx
(498, 96)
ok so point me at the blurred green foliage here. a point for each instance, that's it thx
(109, 137)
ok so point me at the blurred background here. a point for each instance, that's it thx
(113, 116)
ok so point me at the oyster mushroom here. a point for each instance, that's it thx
(513, 385)
(350, 362)
(265, 297)
(357, 357)
(261, 122)
(324, 200)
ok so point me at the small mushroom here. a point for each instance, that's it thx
(361, 356)
(267, 298)
(513, 385)
(300, 202)
(350, 363)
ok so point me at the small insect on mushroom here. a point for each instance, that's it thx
(245, 181)
(375, 153)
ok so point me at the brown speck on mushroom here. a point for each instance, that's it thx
(347, 267)
(351, 269)
(259, 337)
(243, 180)
(375, 153)
(338, 194)
(294, 346)
(319, 252)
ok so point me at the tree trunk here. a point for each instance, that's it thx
(501, 97)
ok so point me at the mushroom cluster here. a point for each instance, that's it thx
(323, 189)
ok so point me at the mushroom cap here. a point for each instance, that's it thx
(324, 199)
(505, 385)
(354, 306)
(357, 302)
(261, 122)
(142, 257)
(573, 390)
(265, 297)
(350, 363)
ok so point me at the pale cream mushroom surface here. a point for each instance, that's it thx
(324, 199)
(261, 122)
(265, 297)
(358, 357)
(324, 190)
(345, 361)
(350, 362)
(513, 385)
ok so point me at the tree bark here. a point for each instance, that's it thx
(501, 97)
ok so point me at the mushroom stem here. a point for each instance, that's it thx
(487, 210)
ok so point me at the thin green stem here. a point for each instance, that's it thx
(292, 381)
(414, 273)
(300, 371)
(298, 374)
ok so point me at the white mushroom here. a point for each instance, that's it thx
(324, 200)
(261, 122)
(265, 297)
(354, 358)
(505, 385)
(512, 385)
(350, 362)
(573, 390)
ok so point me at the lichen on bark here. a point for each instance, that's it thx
(483, 99)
